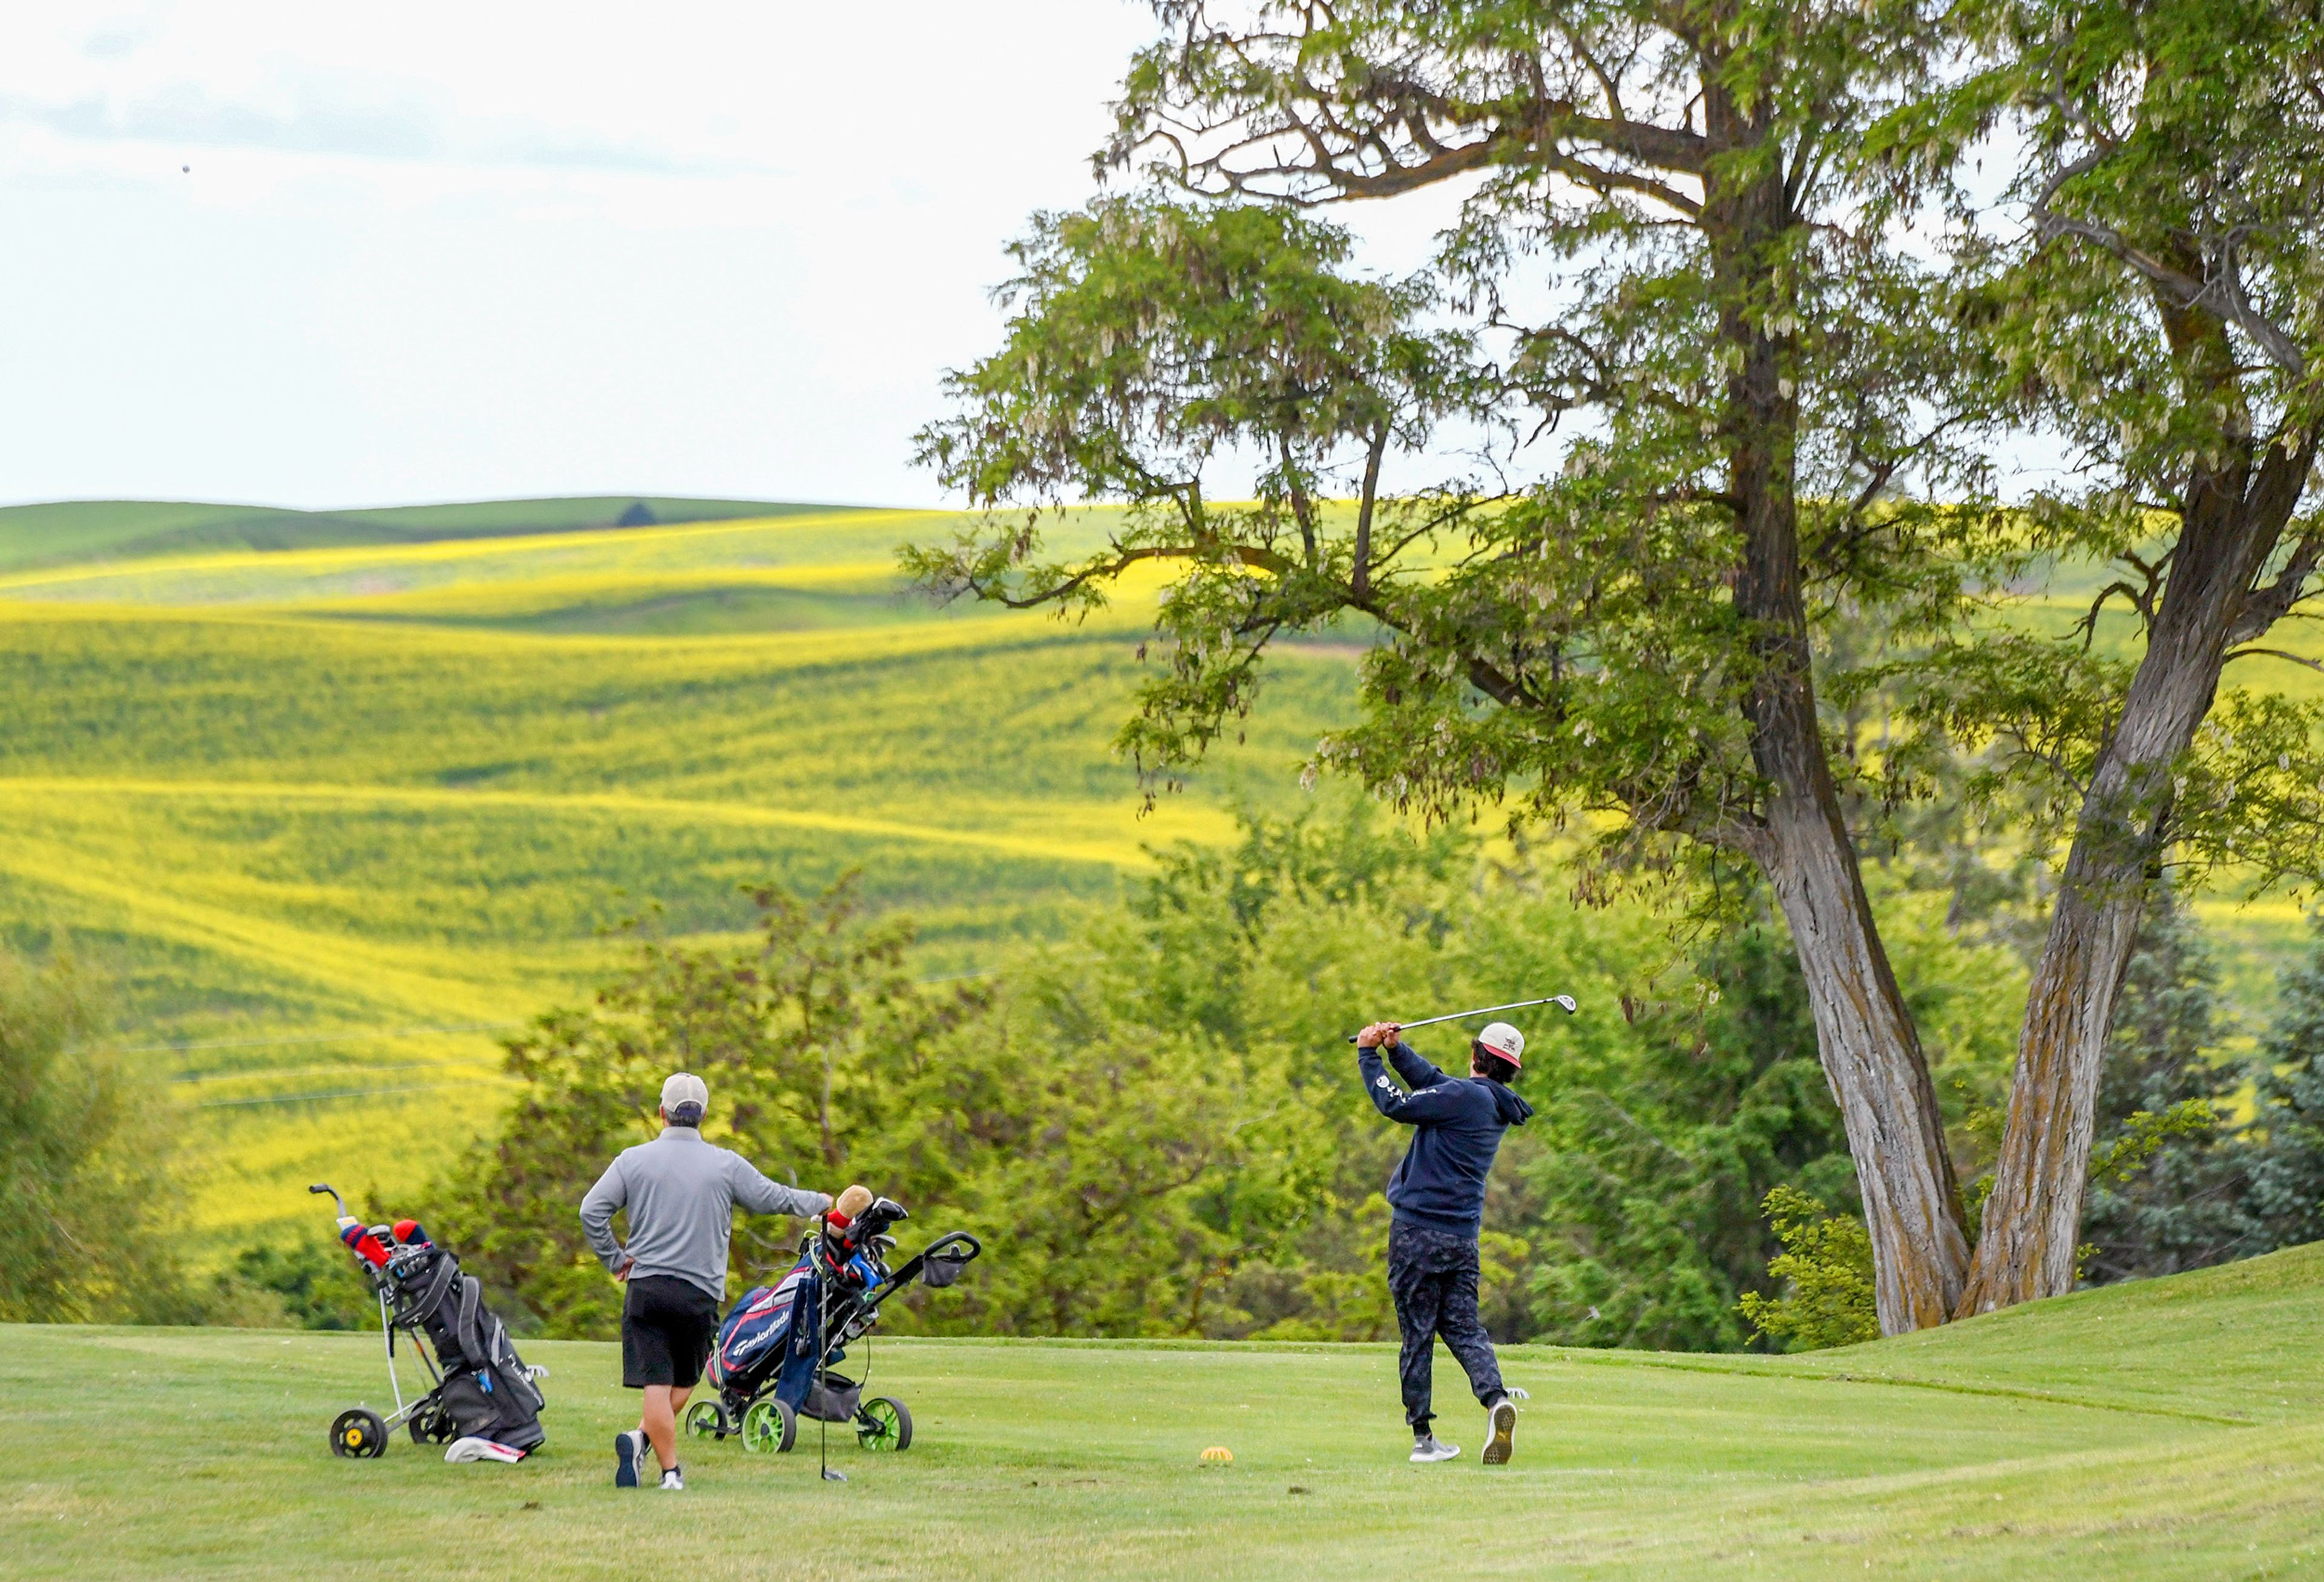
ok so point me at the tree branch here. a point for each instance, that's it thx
(2254, 653)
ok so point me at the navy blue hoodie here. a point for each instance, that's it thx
(1458, 1124)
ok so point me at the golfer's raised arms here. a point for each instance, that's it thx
(1429, 1102)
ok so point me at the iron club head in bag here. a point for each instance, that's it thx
(1563, 1001)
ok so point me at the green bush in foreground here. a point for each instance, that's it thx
(1826, 1266)
(84, 1190)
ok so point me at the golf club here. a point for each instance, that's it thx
(821, 1385)
(1563, 1000)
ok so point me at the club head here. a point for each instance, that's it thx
(1566, 1001)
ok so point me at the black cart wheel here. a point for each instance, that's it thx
(769, 1425)
(431, 1425)
(359, 1432)
(706, 1418)
(883, 1424)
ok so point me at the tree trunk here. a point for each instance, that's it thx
(1870, 1051)
(1872, 1058)
(2230, 526)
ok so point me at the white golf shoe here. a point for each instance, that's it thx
(1428, 1448)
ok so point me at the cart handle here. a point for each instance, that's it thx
(324, 1186)
(944, 1246)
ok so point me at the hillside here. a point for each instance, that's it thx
(67, 531)
(335, 816)
(2173, 1429)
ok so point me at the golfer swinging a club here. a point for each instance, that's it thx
(681, 1193)
(1438, 1196)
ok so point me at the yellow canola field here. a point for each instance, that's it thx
(335, 820)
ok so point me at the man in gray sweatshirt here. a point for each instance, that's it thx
(681, 1193)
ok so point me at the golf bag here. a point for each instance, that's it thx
(486, 1390)
(771, 1367)
(770, 1343)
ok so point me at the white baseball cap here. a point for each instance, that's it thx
(1504, 1041)
(682, 1088)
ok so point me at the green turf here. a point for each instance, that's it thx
(2170, 1430)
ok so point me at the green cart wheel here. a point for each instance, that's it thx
(769, 1425)
(706, 1420)
(883, 1424)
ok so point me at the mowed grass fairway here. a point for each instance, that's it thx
(2173, 1429)
(335, 818)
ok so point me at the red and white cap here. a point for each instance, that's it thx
(1504, 1041)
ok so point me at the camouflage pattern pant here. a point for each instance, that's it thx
(1433, 1277)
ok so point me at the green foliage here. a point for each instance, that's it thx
(1649, 1186)
(1160, 1132)
(1104, 1161)
(1591, 605)
(2143, 1135)
(804, 1035)
(2158, 319)
(1669, 252)
(1152, 340)
(86, 1205)
(1826, 1268)
(2287, 1173)
(314, 1279)
(2168, 1178)
(2166, 307)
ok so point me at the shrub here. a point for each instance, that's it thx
(1826, 1271)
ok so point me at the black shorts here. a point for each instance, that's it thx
(667, 1328)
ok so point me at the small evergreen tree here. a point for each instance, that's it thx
(1653, 1187)
(2286, 1194)
(2168, 1185)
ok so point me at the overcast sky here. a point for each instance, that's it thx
(323, 253)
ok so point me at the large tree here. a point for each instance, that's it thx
(1669, 248)
(2162, 318)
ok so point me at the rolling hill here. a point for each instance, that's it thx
(334, 817)
(66, 531)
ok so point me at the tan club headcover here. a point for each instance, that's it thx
(853, 1201)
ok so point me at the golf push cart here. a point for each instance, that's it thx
(480, 1388)
(772, 1365)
